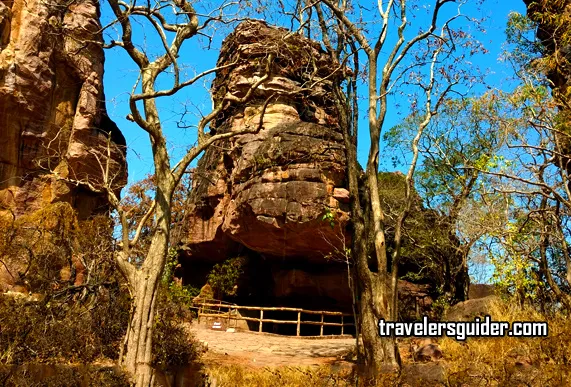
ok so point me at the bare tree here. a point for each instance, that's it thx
(178, 21)
(394, 57)
(530, 245)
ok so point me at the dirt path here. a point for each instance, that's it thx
(254, 350)
(260, 350)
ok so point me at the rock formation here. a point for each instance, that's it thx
(278, 197)
(279, 193)
(256, 189)
(53, 123)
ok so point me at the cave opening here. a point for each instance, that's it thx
(277, 283)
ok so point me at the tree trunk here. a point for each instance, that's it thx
(375, 302)
(381, 353)
(462, 285)
(139, 339)
(138, 356)
(372, 290)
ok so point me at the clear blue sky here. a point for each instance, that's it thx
(120, 75)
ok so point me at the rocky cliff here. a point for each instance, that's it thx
(260, 189)
(53, 123)
(279, 194)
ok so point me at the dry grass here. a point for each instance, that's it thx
(505, 361)
(324, 376)
(274, 377)
(510, 360)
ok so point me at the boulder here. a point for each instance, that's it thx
(480, 291)
(428, 352)
(470, 309)
(258, 190)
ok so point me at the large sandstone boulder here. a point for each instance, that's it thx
(53, 123)
(281, 191)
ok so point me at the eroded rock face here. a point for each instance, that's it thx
(271, 190)
(53, 121)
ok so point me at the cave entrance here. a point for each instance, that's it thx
(266, 282)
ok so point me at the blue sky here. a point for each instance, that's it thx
(120, 75)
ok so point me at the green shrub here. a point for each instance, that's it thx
(224, 276)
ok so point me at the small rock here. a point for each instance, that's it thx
(342, 195)
(524, 362)
(203, 345)
(429, 352)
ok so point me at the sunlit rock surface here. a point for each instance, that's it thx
(53, 122)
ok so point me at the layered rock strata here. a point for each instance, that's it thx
(279, 195)
(280, 191)
(55, 132)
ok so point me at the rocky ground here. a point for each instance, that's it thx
(255, 350)
(266, 349)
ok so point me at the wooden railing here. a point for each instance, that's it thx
(221, 309)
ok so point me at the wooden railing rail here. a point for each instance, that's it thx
(213, 308)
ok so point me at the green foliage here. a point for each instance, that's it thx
(440, 306)
(460, 142)
(329, 216)
(520, 34)
(224, 276)
(514, 271)
(262, 161)
(413, 277)
(173, 344)
(178, 293)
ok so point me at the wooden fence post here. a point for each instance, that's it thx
(216, 312)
